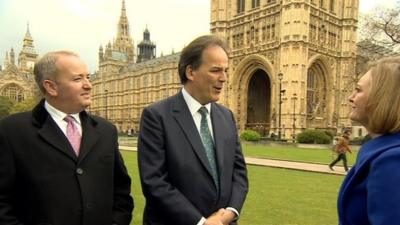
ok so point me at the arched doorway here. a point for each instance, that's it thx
(259, 102)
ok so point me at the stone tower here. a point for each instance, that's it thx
(146, 48)
(292, 63)
(28, 55)
(121, 52)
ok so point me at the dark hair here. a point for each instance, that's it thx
(191, 55)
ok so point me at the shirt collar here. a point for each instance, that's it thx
(59, 115)
(193, 104)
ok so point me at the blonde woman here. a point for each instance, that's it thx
(370, 192)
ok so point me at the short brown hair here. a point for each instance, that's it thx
(46, 67)
(383, 105)
(191, 54)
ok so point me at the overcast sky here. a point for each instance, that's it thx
(82, 25)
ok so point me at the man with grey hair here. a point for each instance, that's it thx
(60, 165)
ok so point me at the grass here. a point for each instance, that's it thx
(282, 152)
(292, 153)
(276, 196)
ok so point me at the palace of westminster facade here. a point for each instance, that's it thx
(16, 78)
(292, 65)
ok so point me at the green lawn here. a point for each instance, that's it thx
(276, 196)
(293, 153)
(284, 152)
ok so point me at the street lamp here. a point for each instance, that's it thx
(281, 92)
(106, 103)
(294, 98)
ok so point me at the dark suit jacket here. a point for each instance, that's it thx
(43, 182)
(174, 170)
(370, 193)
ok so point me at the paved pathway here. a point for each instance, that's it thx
(313, 167)
(320, 168)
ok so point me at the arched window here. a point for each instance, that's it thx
(316, 91)
(14, 92)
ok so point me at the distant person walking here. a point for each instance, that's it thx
(341, 147)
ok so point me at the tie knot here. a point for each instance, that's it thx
(69, 119)
(203, 111)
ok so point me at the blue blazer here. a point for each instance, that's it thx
(370, 193)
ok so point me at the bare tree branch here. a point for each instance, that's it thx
(381, 27)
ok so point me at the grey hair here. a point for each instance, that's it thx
(46, 68)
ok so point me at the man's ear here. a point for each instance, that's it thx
(50, 87)
(189, 72)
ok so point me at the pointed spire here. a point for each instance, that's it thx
(146, 34)
(28, 46)
(101, 53)
(124, 43)
(123, 24)
(28, 33)
(12, 57)
(123, 10)
(6, 59)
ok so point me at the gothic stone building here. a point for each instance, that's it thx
(16, 79)
(292, 66)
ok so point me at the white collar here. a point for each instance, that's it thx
(59, 115)
(193, 104)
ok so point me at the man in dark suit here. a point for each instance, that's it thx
(190, 161)
(58, 164)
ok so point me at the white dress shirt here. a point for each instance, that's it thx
(59, 116)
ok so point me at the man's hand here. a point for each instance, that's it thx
(216, 218)
(228, 217)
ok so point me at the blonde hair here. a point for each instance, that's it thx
(383, 105)
(46, 67)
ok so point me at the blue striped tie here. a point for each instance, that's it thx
(208, 144)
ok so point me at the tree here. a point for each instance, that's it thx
(23, 106)
(5, 106)
(382, 27)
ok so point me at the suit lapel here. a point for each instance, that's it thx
(219, 127)
(185, 120)
(90, 135)
(50, 132)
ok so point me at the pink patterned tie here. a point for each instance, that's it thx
(73, 135)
